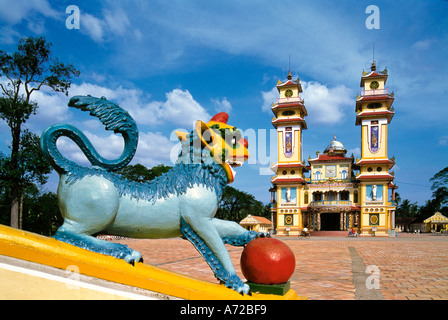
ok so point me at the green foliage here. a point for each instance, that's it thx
(41, 214)
(27, 70)
(235, 205)
(31, 166)
(438, 202)
(440, 179)
(140, 173)
(15, 112)
(406, 209)
(33, 66)
(32, 169)
(40, 211)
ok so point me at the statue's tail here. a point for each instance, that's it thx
(111, 115)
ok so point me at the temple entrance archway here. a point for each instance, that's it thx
(330, 221)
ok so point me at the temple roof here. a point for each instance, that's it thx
(253, 220)
(291, 121)
(437, 218)
(374, 176)
(329, 158)
(389, 162)
(374, 74)
(290, 83)
(335, 147)
(335, 151)
(287, 180)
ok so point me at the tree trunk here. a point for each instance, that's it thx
(21, 211)
(15, 212)
(14, 170)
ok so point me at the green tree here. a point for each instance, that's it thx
(27, 70)
(41, 212)
(406, 209)
(440, 179)
(235, 205)
(140, 173)
(32, 168)
(439, 199)
(440, 189)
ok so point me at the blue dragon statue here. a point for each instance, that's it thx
(181, 202)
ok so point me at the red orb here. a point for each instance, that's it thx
(267, 261)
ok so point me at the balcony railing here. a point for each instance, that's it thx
(289, 100)
(374, 92)
(331, 203)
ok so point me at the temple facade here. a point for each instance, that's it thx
(333, 191)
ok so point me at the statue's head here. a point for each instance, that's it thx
(223, 142)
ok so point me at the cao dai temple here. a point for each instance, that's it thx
(334, 191)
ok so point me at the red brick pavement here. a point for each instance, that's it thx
(411, 266)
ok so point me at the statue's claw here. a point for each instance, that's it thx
(133, 257)
(236, 284)
(245, 289)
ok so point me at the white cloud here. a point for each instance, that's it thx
(51, 107)
(19, 10)
(442, 141)
(33, 12)
(268, 98)
(117, 21)
(113, 22)
(8, 35)
(153, 149)
(422, 44)
(222, 105)
(180, 108)
(326, 105)
(92, 26)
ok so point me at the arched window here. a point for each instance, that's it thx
(344, 174)
(317, 175)
(344, 195)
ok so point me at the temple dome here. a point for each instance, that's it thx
(335, 147)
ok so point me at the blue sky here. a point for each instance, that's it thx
(172, 62)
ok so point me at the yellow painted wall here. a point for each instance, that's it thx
(367, 83)
(323, 171)
(365, 151)
(295, 115)
(296, 150)
(295, 92)
(364, 107)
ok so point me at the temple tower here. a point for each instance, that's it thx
(374, 113)
(288, 182)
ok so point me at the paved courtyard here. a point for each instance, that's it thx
(410, 267)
